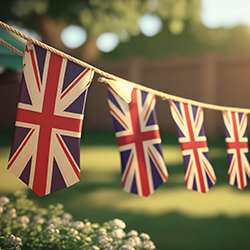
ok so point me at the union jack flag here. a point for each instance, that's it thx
(199, 173)
(142, 165)
(237, 148)
(46, 144)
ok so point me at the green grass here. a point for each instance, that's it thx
(173, 216)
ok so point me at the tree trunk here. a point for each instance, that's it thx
(50, 30)
(89, 51)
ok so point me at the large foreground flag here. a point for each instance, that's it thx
(142, 165)
(46, 145)
(199, 173)
(237, 148)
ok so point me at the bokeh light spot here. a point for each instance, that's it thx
(150, 25)
(73, 36)
(107, 42)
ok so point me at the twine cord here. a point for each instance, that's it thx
(106, 75)
(58, 52)
(7, 45)
(169, 97)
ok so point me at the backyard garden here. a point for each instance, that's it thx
(173, 216)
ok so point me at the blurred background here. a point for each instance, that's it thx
(197, 49)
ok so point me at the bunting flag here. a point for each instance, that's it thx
(45, 152)
(142, 165)
(123, 89)
(199, 173)
(237, 148)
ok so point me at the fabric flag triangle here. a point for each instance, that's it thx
(237, 148)
(199, 173)
(123, 89)
(142, 164)
(45, 151)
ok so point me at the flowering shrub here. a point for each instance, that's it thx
(23, 225)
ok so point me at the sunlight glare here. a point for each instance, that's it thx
(225, 13)
(73, 36)
(220, 200)
(150, 25)
(107, 42)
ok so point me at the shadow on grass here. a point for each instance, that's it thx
(173, 216)
(183, 220)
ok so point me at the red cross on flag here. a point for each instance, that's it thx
(237, 148)
(45, 152)
(199, 173)
(142, 165)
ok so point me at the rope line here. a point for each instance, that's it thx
(163, 95)
(169, 97)
(7, 45)
(58, 52)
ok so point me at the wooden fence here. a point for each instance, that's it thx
(210, 78)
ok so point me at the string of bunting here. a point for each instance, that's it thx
(163, 95)
(50, 114)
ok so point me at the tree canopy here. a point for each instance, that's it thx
(183, 30)
(50, 17)
(99, 16)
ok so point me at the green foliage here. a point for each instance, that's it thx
(24, 225)
(98, 16)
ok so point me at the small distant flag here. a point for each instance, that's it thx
(142, 165)
(45, 152)
(237, 148)
(199, 173)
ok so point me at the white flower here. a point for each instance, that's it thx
(130, 242)
(87, 228)
(103, 231)
(15, 241)
(145, 236)
(108, 247)
(133, 242)
(117, 224)
(73, 232)
(138, 242)
(88, 239)
(51, 229)
(50, 226)
(88, 224)
(132, 233)
(24, 220)
(116, 243)
(55, 221)
(18, 241)
(118, 233)
(78, 225)
(126, 247)
(78, 237)
(67, 216)
(95, 225)
(104, 240)
(38, 219)
(148, 244)
(94, 248)
(4, 200)
(12, 213)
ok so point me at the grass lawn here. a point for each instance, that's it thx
(173, 216)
